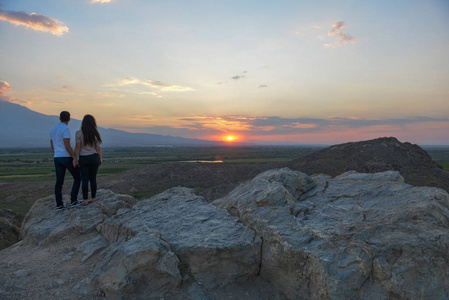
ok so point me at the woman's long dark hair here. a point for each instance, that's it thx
(91, 136)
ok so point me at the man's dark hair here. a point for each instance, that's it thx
(64, 116)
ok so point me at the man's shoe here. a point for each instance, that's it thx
(61, 207)
(75, 203)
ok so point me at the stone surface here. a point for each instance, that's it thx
(211, 246)
(282, 235)
(357, 236)
(44, 225)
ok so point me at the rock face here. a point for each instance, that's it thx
(43, 225)
(181, 236)
(378, 155)
(9, 228)
(357, 236)
(282, 235)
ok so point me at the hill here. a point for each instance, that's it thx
(378, 155)
(22, 127)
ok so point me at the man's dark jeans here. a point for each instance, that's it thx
(62, 164)
(89, 166)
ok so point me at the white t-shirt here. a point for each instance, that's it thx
(57, 135)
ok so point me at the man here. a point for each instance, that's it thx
(65, 159)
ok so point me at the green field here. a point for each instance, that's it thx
(440, 155)
(37, 163)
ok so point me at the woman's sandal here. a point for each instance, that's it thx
(85, 202)
(91, 200)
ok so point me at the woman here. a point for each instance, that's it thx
(88, 141)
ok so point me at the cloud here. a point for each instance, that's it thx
(34, 21)
(6, 88)
(111, 95)
(101, 1)
(155, 84)
(218, 123)
(337, 27)
(142, 118)
(240, 76)
(263, 86)
(342, 38)
(288, 130)
(273, 125)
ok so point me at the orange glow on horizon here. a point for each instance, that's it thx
(226, 138)
(230, 138)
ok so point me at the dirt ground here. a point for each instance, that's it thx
(43, 272)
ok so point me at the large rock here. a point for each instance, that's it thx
(44, 225)
(182, 235)
(173, 243)
(358, 236)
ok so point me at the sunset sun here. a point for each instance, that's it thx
(230, 138)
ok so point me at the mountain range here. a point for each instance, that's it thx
(22, 127)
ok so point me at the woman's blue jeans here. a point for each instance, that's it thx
(89, 166)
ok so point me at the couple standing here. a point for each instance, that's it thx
(88, 147)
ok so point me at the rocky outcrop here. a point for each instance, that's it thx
(43, 225)
(357, 236)
(9, 227)
(175, 237)
(377, 155)
(281, 235)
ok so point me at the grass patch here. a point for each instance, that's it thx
(18, 172)
(109, 171)
(249, 161)
(21, 207)
(28, 178)
(445, 165)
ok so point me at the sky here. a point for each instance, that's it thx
(273, 72)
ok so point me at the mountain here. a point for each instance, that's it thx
(22, 127)
(377, 155)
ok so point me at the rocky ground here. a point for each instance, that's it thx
(61, 252)
(281, 235)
